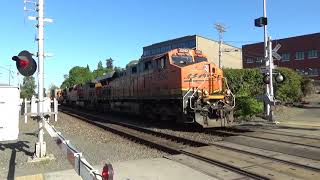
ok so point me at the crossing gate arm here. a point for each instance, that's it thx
(79, 163)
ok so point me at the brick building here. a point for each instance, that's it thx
(301, 53)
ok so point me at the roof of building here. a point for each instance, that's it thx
(291, 37)
(186, 37)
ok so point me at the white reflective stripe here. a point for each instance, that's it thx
(80, 164)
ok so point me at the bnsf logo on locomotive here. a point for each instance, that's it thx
(201, 76)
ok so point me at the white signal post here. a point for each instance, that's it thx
(40, 150)
(267, 105)
(269, 99)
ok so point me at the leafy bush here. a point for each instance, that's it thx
(247, 107)
(247, 84)
(307, 86)
(290, 89)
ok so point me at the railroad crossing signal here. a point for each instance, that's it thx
(26, 65)
(274, 52)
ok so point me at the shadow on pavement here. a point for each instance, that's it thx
(18, 146)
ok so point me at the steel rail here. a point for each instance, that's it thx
(115, 128)
(289, 134)
(264, 138)
(184, 140)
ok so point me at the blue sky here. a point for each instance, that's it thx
(84, 32)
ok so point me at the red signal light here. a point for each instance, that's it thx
(26, 65)
(23, 63)
(107, 172)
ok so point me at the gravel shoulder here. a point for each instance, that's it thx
(97, 145)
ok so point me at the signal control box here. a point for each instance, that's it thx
(9, 112)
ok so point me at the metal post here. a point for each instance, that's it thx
(25, 110)
(266, 58)
(221, 29)
(271, 95)
(9, 75)
(40, 145)
(55, 109)
(220, 53)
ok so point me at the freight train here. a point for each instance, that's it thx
(179, 85)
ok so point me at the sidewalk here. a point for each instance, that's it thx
(144, 169)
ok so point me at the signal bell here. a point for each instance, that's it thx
(26, 65)
(266, 79)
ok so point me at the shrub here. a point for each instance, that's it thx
(247, 107)
(290, 89)
(307, 86)
(247, 84)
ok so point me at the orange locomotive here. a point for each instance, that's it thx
(180, 85)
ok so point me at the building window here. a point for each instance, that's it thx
(259, 59)
(146, 53)
(191, 44)
(299, 55)
(249, 60)
(312, 54)
(285, 56)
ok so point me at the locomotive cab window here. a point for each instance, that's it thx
(200, 59)
(182, 60)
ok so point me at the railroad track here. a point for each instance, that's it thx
(289, 134)
(290, 138)
(178, 145)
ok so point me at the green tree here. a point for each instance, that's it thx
(28, 87)
(99, 71)
(52, 87)
(77, 75)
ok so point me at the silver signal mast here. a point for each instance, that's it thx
(269, 53)
(40, 150)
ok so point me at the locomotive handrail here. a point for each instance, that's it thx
(196, 91)
(233, 96)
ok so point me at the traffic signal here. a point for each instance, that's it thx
(262, 21)
(26, 65)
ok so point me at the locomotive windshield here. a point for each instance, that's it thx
(182, 60)
(200, 59)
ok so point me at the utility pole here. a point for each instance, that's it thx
(221, 29)
(9, 75)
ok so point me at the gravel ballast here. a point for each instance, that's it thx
(98, 146)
